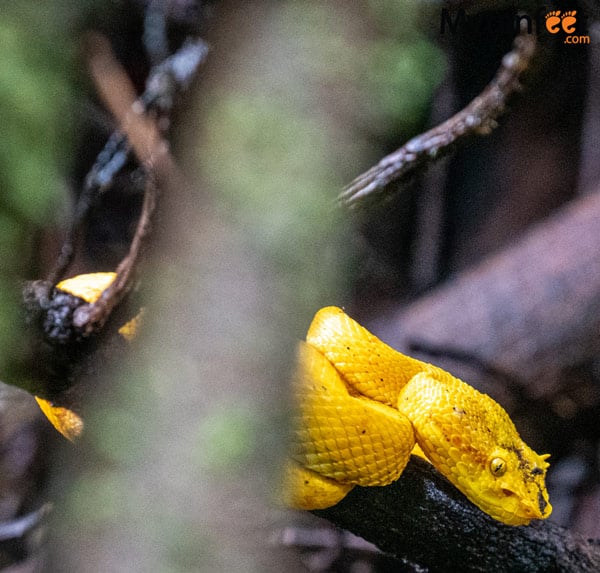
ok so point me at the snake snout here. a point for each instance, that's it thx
(544, 504)
(535, 505)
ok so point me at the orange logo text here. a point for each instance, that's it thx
(565, 21)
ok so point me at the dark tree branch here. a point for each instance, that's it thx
(425, 519)
(478, 118)
(530, 310)
(165, 80)
(141, 124)
(152, 151)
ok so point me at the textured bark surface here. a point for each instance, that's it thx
(424, 519)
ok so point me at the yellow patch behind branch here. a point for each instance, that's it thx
(89, 287)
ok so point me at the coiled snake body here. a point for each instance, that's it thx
(363, 406)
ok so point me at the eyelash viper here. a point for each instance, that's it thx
(362, 407)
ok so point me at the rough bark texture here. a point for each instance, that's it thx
(423, 518)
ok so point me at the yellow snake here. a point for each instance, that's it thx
(362, 407)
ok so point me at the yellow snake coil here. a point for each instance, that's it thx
(362, 407)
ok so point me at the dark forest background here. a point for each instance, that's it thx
(485, 259)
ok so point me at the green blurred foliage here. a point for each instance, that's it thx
(36, 99)
(404, 66)
(403, 77)
(390, 73)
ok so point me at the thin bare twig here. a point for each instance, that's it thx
(89, 317)
(151, 149)
(164, 81)
(478, 118)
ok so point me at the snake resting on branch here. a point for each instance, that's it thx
(363, 408)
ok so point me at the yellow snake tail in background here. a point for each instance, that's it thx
(67, 422)
(88, 287)
(362, 406)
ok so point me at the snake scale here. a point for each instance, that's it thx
(363, 407)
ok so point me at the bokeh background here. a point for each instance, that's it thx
(178, 467)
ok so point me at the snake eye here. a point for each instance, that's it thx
(498, 467)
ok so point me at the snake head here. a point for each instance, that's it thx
(514, 487)
(472, 441)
